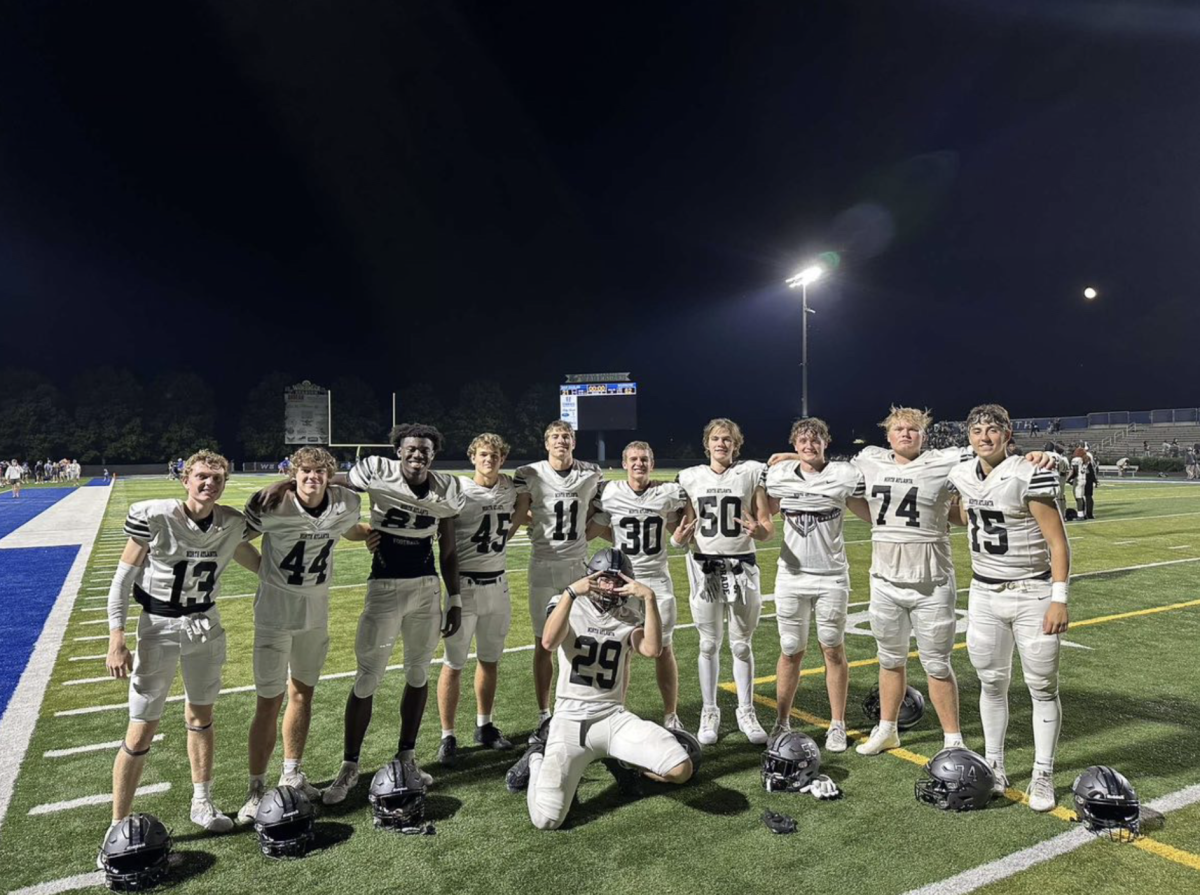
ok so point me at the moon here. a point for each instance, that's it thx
(1089, 293)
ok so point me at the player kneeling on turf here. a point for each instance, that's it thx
(291, 611)
(172, 566)
(596, 629)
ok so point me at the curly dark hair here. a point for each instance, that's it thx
(416, 430)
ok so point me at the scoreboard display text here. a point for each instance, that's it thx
(598, 406)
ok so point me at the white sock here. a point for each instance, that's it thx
(838, 723)
(481, 720)
(447, 732)
(1047, 722)
(886, 727)
(743, 675)
(407, 755)
(710, 669)
(291, 765)
(202, 790)
(993, 712)
(543, 715)
(950, 740)
(260, 779)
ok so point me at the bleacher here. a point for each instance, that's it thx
(1116, 434)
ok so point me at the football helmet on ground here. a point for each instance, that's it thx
(912, 709)
(1106, 803)
(284, 822)
(135, 853)
(691, 746)
(397, 797)
(956, 779)
(791, 762)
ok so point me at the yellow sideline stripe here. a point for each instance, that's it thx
(1099, 620)
(1170, 852)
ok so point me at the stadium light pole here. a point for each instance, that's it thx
(801, 281)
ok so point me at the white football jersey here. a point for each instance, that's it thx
(1006, 542)
(639, 522)
(183, 569)
(559, 508)
(593, 662)
(409, 522)
(297, 558)
(813, 506)
(720, 499)
(482, 526)
(910, 512)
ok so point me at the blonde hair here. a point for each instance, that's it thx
(488, 439)
(558, 426)
(637, 446)
(813, 426)
(914, 415)
(208, 458)
(313, 458)
(734, 429)
(989, 413)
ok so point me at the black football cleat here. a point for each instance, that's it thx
(447, 753)
(490, 737)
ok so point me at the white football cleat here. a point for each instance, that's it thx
(1000, 784)
(1041, 792)
(710, 721)
(779, 729)
(342, 784)
(878, 742)
(297, 780)
(672, 722)
(253, 798)
(747, 722)
(205, 814)
(835, 739)
(427, 779)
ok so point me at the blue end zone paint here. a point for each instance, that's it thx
(98, 482)
(30, 581)
(16, 511)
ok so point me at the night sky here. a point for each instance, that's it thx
(446, 191)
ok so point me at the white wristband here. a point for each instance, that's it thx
(1058, 592)
(454, 601)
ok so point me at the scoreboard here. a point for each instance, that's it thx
(598, 406)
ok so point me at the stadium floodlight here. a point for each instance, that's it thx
(810, 274)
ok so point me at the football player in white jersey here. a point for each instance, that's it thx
(554, 496)
(411, 505)
(597, 624)
(172, 565)
(1022, 565)
(639, 515)
(727, 512)
(291, 612)
(482, 531)
(813, 573)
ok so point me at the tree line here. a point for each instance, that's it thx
(111, 415)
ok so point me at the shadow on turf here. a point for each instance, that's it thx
(184, 865)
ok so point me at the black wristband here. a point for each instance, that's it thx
(571, 592)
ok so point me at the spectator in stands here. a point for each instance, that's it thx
(1174, 447)
(1166, 448)
(1033, 429)
(1190, 464)
(1121, 465)
(1145, 448)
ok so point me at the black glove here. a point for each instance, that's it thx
(779, 823)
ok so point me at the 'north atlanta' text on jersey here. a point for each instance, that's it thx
(408, 522)
(185, 561)
(297, 558)
(813, 506)
(720, 500)
(559, 504)
(1005, 540)
(482, 527)
(639, 522)
(593, 662)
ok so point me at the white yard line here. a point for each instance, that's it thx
(86, 658)
(1064, 843)
(94, 747)
(128, 635)
(90, 680)
(101, 799)
(66, 884)
(20, 717)
(337, 675)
